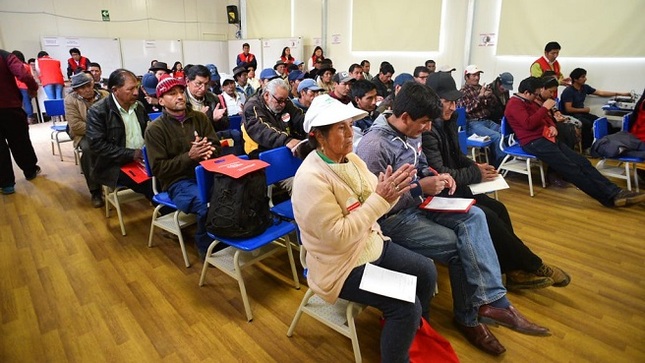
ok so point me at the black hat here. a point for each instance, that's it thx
(279, 62)
(159, 66)
(444, 85)
(239, 70)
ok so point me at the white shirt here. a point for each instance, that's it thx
(233, 105)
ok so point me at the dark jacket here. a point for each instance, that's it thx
(10, 66)
(383, 89)
(265, 130)
(168, 142)
(211, 100)
(106, 134)
(441, 148)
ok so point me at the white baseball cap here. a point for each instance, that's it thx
(472, 69)
(325, 110)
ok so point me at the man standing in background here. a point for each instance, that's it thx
(51, 78)
(549, 62)
(246, 57)
(14, 130)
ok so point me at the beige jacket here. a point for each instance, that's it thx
(334, 237)
(76, 113)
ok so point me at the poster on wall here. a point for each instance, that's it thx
(335, 39)
(486, 39)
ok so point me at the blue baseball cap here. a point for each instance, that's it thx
(214, 73)
(309, 84)
(268, 73)
(402, 78)
(149, 84)
(295, 75)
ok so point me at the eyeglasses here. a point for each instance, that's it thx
(199, 84)
(280, 102)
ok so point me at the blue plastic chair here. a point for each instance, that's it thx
(517, 160)
(235, 122)
(154, 115)
(244, 251)
(56, 110)
(474, 146)
(282, 165)
(627, 122)
(623, 167)
(171, 222)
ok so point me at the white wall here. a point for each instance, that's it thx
(23, 23)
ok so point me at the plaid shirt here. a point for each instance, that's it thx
(477, 108)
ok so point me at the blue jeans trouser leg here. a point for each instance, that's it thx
(491, 129)
(435, 235)
(402, 318)
(53, 91)
(26, 102)
(575, 169)
(483, 279)
(184, 194)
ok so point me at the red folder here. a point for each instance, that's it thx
(546, 132)
(136, 171)
(233, 166)
(449, 205)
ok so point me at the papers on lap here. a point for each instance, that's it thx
(490, 186)
(453, 205)
(475, 137)
(394, 284)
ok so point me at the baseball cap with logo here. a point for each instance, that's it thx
(166, 83)
(214, 73)
(472, 69)
(343, 77)
(325, 110)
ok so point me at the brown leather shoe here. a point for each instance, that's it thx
(482, 338)
(510, 318)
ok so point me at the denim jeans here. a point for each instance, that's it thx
(184, 194)
(26, 102)
(460, 241)
(402, 318)
(491, 129)
(575, 169)
(53, 91)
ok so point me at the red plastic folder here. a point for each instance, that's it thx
(450, 205)
(136, 171)
(233, 166)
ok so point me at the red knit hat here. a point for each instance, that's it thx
(166, 83)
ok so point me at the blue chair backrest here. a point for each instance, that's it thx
(146, 162)
(505, 129)
(627, 121)
(235, 122)
(600, 128)
(154, 115)
(55, 107)
(282, 164)
(461, 116)
(463, 141)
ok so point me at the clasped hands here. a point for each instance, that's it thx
(201, 148)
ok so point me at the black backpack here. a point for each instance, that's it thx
(239, 208)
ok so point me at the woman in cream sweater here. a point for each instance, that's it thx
(337, 202)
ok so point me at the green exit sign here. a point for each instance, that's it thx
(105, 14)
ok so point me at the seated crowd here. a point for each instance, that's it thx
(374, 146)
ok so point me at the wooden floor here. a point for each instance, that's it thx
(72, 289)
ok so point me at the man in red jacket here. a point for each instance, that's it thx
(537, 133)
(14, 130)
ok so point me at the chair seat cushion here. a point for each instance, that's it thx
(59, 128)
(275, 231)
(516, 150)
(473, 143)
(164, 199)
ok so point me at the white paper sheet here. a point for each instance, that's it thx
(441, 204)
(490, 186)
(389, 283)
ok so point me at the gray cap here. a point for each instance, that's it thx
(80, 80)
